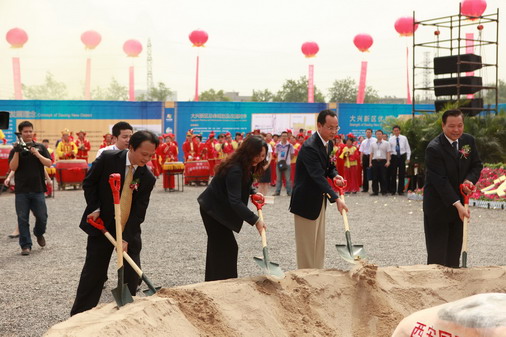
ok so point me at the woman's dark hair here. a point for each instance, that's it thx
(243, 156)
(141, 136)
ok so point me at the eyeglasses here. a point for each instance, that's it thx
(333, 129)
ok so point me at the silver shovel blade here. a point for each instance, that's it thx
(357, 250)
(272, 268)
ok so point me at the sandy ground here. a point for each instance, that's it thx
(38, 290)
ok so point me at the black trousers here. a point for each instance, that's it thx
(397, 170)
(222, 249)
(379, 176)
(443, 238)
(365, 169)
(94, 274)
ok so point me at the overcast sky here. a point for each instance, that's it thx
(252, 44)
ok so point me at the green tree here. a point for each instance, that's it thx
(296, 91)
(489, 97)
(212, 95)
(115, 92)
(343, 91)
(51, 89)
(262, 96)
(346, 90)
(157, 94)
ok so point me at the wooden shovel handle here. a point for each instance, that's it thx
(262, 233)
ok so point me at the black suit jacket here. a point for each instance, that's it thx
(445, 171)
(311, 186)
(98, 194)
(226, 199)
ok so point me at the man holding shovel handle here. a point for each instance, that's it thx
(136, 184)
(451, 159)
(311, 191)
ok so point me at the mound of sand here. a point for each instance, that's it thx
(366, 301)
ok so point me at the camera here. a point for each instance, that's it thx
(22, 146)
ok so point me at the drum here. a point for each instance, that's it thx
(196, 171)
(174, 167)
(71, 172)
(4, 161)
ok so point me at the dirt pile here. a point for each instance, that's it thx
(366, 301)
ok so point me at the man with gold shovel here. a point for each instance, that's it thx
(137, 183)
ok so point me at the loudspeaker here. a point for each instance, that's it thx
(470, 107)
(449, 64)
(448, 86)
(4, 119)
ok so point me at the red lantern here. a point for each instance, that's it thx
(198, 38)
(91, 39)
(132, 48)
(473, 9)
(363, 42)
(404, 26)
(480, 27)
(310, 49)
(16, 37)
(437, 32)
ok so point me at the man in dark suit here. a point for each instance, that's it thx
(97, 191)
(311, 191)
(451, 159)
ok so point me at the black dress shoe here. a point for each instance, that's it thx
(374, 194)
(401, 193)
(13, 236)
(26, 251)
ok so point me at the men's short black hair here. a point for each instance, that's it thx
(284, 132)
(453, 113)
(396, 127)
(116, 129)
(323, 115)
(45, 140)
(24, 124)
(368, 130)
(142, 136)
(379, 131)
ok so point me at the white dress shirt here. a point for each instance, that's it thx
(365, 146)
(107, 148)
(403, 144)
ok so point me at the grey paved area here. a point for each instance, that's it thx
(37, 291)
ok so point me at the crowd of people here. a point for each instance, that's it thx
(304, 163)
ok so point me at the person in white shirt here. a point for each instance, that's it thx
(365, 149)
(400, 154)
(121, 133)
(379, 162)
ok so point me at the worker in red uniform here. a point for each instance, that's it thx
(83, 146)
(211, 152)
(200, 148)
(228, 148)
(188, 147)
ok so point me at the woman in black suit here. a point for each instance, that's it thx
(223, 206)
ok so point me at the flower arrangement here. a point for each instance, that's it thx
(465, 151)
(134, 185)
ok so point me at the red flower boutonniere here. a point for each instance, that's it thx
(134, 185)
(465, 151)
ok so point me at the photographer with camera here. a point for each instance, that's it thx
(28, 159)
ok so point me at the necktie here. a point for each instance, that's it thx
(456, 147)
(398, 147)
(126, 197)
